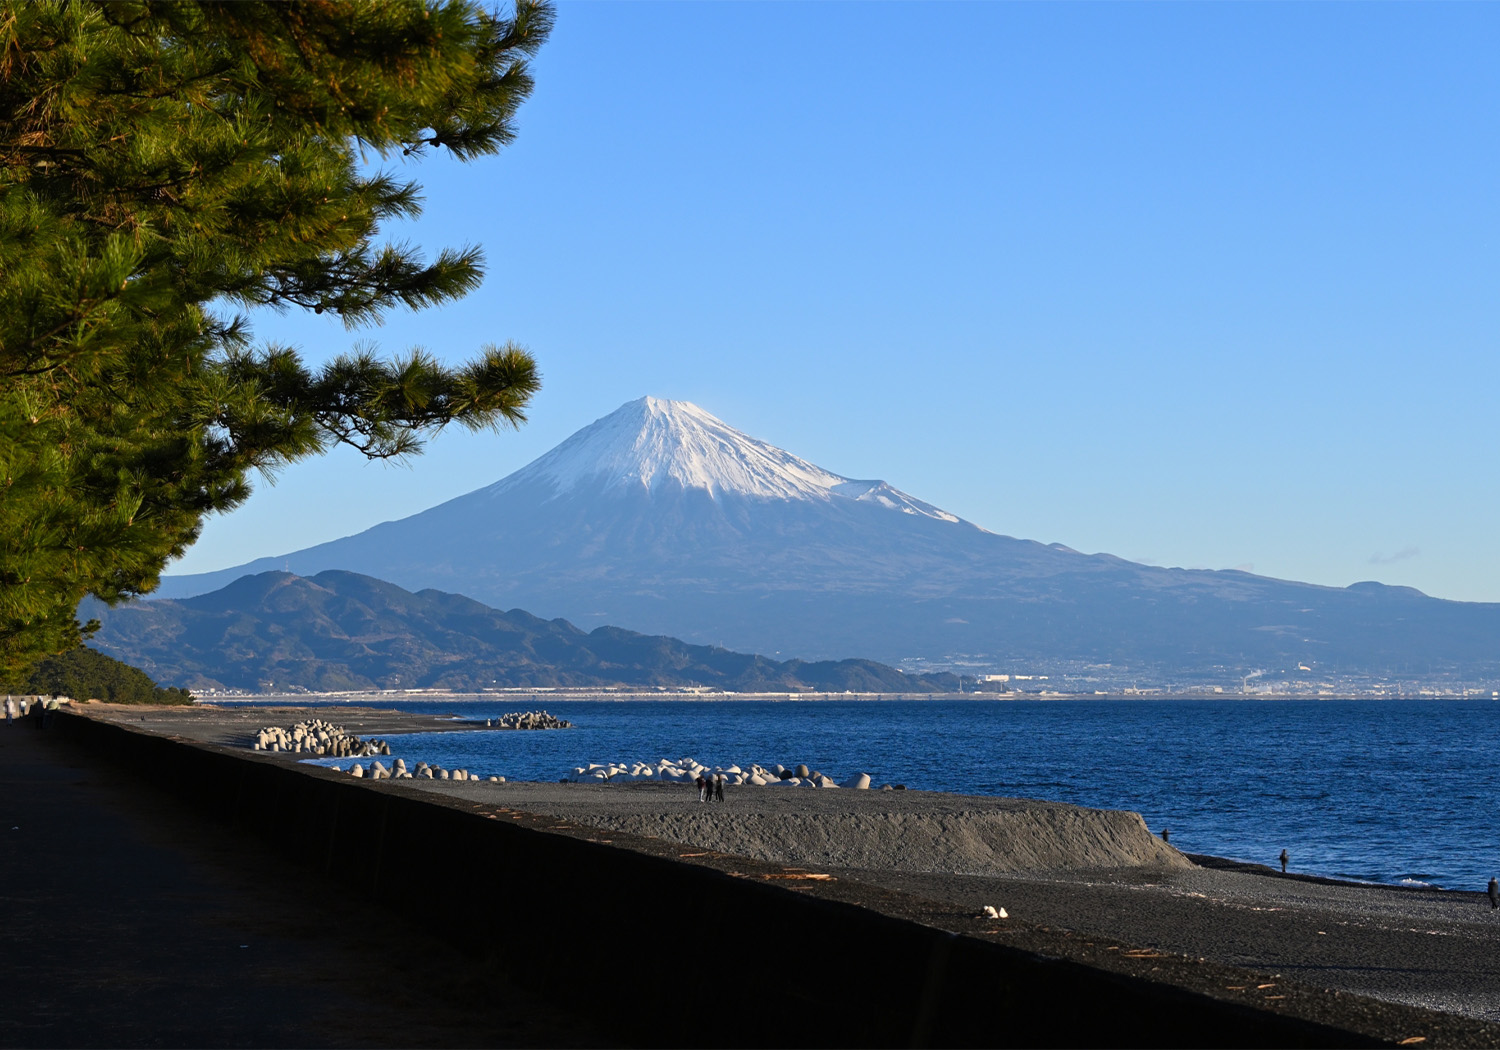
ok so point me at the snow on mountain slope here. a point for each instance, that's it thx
(651, 443)
(661, 518)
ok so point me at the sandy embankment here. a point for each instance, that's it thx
(915, 831)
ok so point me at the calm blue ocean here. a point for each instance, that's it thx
(1382, 791)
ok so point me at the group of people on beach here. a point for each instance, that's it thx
(15, 709)
(711, 788)
(35, 710)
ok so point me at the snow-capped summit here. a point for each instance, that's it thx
(663, 519)
(651, 442)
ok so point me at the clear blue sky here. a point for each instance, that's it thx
(1210, 285)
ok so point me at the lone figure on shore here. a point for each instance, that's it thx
(1494, 894)
(1285, 856)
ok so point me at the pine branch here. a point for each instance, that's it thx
(158, 157)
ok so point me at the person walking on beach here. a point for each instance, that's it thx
(719, 787)
(1494, 894)
(1285, 856)
(702, 789)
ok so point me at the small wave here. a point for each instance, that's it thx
(1413, 882)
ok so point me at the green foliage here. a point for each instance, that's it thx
(166, 162)
(85, 674)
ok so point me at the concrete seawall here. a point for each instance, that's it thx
(601, 924)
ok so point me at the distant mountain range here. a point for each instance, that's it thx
(661, 518)
(341, 630)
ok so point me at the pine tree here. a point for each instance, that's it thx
(87, 674)
(166, 163)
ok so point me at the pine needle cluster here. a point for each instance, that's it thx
(167, 164)
(87, 674)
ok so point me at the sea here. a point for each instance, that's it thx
(1386, 791)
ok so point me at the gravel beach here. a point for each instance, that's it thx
(1092, 885)
(1429, 948)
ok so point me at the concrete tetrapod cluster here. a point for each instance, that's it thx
(688, 770)
(528, 720)
(422, 771)
(318, 737)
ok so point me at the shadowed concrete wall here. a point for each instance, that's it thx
(597, 926)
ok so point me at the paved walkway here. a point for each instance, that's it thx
(124, 922)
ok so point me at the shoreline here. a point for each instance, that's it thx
(1201, 926)
(708, 696)
(822, 953)
(235, 726)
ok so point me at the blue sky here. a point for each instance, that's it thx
(1210, 285)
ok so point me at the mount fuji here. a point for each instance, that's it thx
(661, 518)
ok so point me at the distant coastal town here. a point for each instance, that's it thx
(986, 687)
